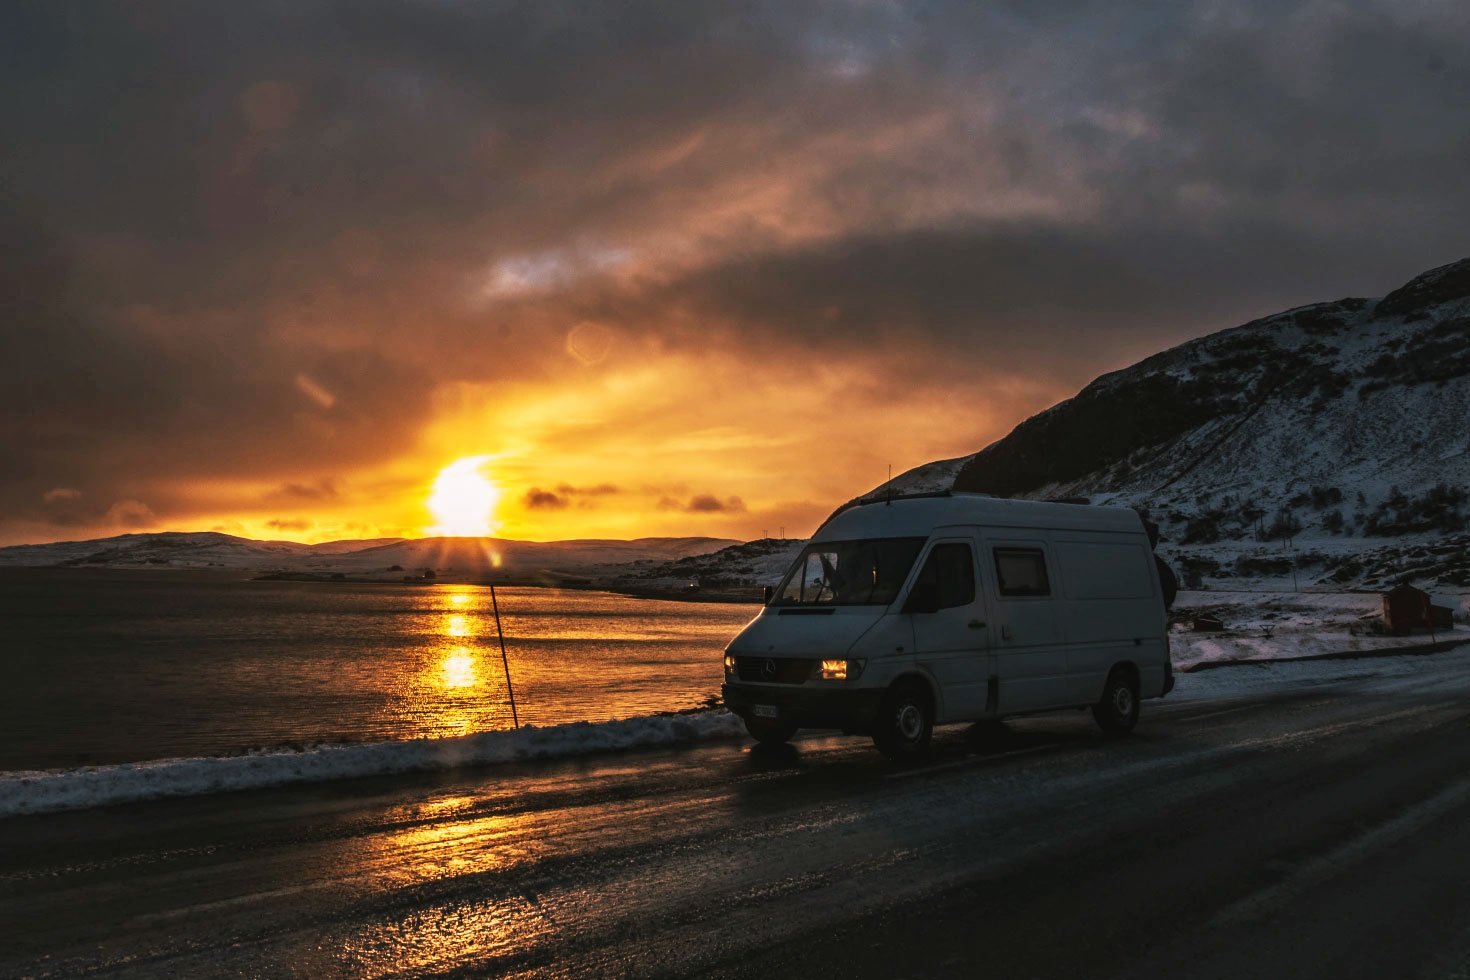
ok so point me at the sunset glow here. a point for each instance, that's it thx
(464, 499)
(571, 306)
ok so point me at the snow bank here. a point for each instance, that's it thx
(42, 792)
(1259, 677)
(1192, 653)
(1262, 626)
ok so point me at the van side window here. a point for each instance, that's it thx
(951, 568)
(1021, 571)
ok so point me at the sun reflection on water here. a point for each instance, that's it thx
(452, 689)
(580, 655)
(459, 669)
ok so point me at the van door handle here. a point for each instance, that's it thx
(976, 624)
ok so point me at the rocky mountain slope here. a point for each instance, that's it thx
(1339, 431)
(737, 572)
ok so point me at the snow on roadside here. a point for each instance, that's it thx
(44, 792)
(1189, 652)
(1263, 626)
(1249, 679)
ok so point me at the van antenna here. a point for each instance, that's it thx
(889, 487)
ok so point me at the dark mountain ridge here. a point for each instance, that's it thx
(1326, 423)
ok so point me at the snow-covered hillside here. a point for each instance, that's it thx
(190, 549)
(928, 478)
(384, 557)
(1337, 434)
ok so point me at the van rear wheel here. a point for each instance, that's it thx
(905, 722)
(1117, 712)
(769, 732)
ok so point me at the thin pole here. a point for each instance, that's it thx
(504, 660)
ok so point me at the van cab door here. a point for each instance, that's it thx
(951, 625)
(1031, 665)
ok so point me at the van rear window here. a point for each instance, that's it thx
(1021, 571)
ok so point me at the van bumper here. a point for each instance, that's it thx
(850, 710)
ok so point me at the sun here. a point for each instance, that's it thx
(463, 500)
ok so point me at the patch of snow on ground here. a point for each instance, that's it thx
(1284, 625)
(1251, 679)
(43, 792)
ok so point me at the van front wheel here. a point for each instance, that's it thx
(1117, 712)
(769, 732)
(905, 723)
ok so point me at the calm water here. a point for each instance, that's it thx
(103, 667)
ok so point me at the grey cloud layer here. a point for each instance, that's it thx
(252, 239)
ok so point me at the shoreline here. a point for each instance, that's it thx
(749, 595)
(678, 595)
(37, 792)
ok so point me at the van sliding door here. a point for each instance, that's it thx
(1030, 657)
(952, 642)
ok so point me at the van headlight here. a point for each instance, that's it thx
(839, 670)
(729, 665)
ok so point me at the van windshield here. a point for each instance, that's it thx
(849, 573)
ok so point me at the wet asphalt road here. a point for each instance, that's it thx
(1319, 829)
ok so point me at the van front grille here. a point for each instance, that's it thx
(773, 670)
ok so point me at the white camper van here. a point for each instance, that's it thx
(906, 613)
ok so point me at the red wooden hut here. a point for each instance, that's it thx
(1406, 608)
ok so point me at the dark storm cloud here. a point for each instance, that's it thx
(565, 494)
(1263, 157)
(253, 240)
(538, 499)
(324, 489)
(596, 490)
(704, 503)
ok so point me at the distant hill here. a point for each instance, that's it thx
(383, 557)
(201, 549)
(738, 571)
(1341, 427)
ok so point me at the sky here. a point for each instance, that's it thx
(702, 268)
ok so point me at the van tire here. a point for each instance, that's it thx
(768, 732)
(1117, 712)
(905, 722)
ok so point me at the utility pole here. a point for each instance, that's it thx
(504, 660)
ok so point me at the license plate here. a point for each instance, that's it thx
(764, 711)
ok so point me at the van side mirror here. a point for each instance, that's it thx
(923, 598)
(767, 594)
